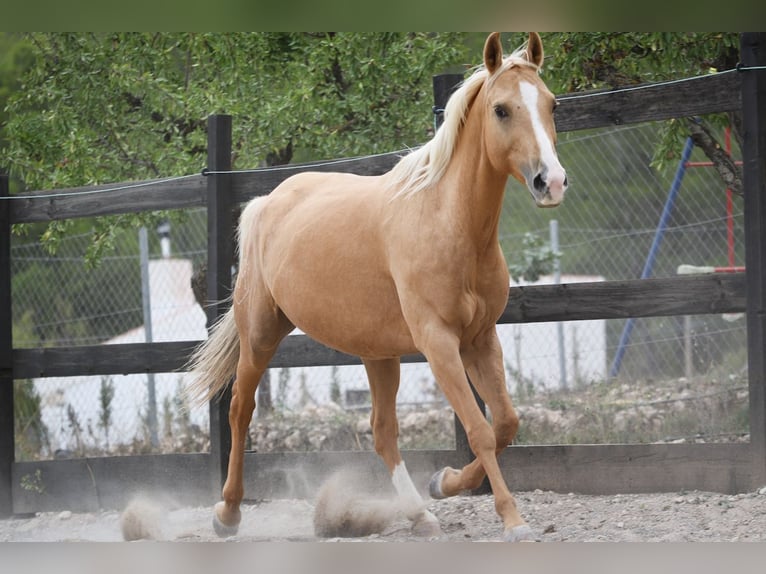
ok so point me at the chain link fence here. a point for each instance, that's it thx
(606, 230)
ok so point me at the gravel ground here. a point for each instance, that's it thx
(675, 517)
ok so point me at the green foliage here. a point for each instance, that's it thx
(104, 107)
(594, 60)
(536, 259)
(31, 435)
(106, 395)
(579, 61)
(33, 482)
(15, 58)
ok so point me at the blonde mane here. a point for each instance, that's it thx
(424, 166)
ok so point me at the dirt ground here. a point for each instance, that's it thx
(674, 517)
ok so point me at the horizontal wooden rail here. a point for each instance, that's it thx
(92, 484)
(130, 197)
(687, 295)
(161, 357)
(650, 102)
(663, 297)
(89, 360)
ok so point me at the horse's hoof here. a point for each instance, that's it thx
(435, 486)
(426, 526)
(221, 529)
(520, 533)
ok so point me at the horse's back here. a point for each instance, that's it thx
(331, 207)
(338, 197)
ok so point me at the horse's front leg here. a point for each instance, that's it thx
(383, 376)
(442, 351)
(484, 365)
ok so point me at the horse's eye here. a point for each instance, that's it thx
(555, 105)
(501, 112)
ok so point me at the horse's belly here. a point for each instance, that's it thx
(342, 297)
(366, 324)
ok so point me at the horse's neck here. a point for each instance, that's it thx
(472, 188)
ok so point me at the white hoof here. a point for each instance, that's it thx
(426, 526)
(221, 529)
(521, 533)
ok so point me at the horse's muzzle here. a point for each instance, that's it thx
(549, 191)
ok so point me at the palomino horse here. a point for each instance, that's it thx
(388, 265)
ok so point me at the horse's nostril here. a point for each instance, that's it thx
(539, 183)
(566, 182)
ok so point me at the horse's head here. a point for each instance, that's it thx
(520, 136)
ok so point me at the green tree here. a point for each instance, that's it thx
(102, 107)
(536, 258)
(95, 108)
(15, 58)
(593, 60)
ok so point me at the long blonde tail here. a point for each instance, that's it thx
(214, 363)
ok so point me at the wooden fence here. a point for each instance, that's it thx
(109, 482)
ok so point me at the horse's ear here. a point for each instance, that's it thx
(535, 49)
(493, 52)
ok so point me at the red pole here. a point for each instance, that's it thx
(729, 200)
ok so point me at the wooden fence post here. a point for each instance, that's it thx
(753, 55)
(7, 442)
(220, 258)
(443, 86)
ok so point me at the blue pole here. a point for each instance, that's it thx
(650, 259)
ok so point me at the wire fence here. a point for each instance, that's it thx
(606, 229)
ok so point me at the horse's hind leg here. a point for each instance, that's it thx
(257, 346)
(383, 377)
(249, 373)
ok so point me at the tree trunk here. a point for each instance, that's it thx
(722, 161)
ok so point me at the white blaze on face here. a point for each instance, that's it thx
(549, 161)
